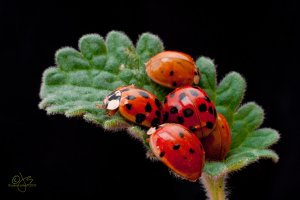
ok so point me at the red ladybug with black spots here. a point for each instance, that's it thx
(191, 107)
(135, 105)
(179, 149)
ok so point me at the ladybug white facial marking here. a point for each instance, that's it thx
(151, 131)
(113, 100)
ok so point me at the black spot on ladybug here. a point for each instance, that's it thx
(130, 97)
(215, 112)
(176, 146)
(124, 90)
(155, 122)
(191, 150)
(172, 95)
(162, 154)
(166, 116)
(174, 84)
(192, 128)
(157, 103)
(194, 93)
(202, 107)
(128, 106)
(180, 119)
(144, 94)
(171, 73)
(207, 99)
(158, 114)
(209, 125)
(139, 118)
(166, 100)
(148, 107)
(181, 96)
(173, 110)
(188, 112)
(181, 134)
(210, 110)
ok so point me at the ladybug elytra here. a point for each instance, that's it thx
(135, 104)
(191, 107)
(217, 144)
(173, 69)
(179, 149)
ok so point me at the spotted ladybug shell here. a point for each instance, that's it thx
(217, 144)
(179, 149)
(173, 69)
(191, 107)
(136, 105)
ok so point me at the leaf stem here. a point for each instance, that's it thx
(214, 186)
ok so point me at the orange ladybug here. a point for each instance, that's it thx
(173, 69)
(217, 144)
(134, 104)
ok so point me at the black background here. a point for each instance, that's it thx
(256, 38)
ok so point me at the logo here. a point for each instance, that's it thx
(21, 183)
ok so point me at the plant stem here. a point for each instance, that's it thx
(214, 186)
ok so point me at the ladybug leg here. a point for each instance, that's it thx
(111, 112)
(108, 112)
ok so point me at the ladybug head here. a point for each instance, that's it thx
(112, 101)
(197, 76)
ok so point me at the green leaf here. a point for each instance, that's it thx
(147, 46)
(261, 138)
(81, 80)
(208, 79)
(230, 94)
(251, 150)
(248, 143)
(248, 117)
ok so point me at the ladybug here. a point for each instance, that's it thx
(191, 107)
(217, 144)
(179, 149)
(134, 104)
(173, 69)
